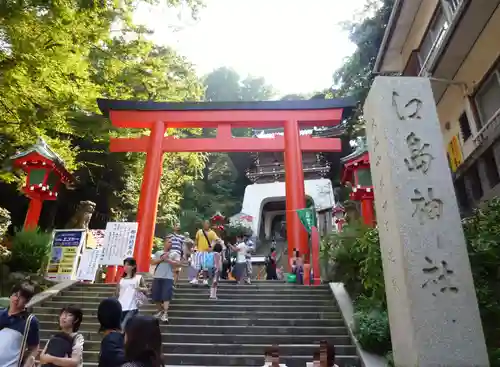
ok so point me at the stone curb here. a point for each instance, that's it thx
(51, 292)
(347, 311)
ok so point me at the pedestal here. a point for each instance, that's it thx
(433, 311)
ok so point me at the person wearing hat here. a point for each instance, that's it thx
(109, 314)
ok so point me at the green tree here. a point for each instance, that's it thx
(56, 58)
(355, 77)
(224, 181)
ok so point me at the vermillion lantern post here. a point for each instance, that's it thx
(45, 172)
(356, 170)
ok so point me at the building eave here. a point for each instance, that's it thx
(389, 30)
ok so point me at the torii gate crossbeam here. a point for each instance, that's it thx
(157, 116)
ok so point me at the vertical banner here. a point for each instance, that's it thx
(454, 151)
(64, 255)
(119, 242)
(307, 217)
(89, 264)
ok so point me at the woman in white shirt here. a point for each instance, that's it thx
(239, 269)
(127, 289)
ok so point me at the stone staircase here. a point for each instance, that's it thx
(232, 331)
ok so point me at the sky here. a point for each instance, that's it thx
(296, 45)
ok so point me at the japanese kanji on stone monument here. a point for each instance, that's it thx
(433, 311)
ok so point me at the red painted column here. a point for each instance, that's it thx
(148, 201)
(110, 274)
(367, 212)
(33, 215)
(295, 195)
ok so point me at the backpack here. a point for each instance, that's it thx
(59, 345)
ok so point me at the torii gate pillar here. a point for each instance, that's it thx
(291, 115)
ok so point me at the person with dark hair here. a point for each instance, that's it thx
(19, 331)
(240, 268)
(272, 357)
(327, 354)
(143, 343)
(177, 241)
(127, 290)
(271, 264)
(204, 239)
(109, 314)
(216, 268)
(65, 349)
(162, 289)
(297, 264)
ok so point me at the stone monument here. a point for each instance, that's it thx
(433, 311)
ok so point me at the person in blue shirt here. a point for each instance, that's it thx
(109, 314)
(12, 327)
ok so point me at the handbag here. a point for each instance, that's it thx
(140, 296)
(24, 341)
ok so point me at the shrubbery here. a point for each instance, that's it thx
(30, 251)
(358, 264)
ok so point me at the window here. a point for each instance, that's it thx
(451, 5)
(476, 189)
(491, 168)
(461, 193)
(434, 36)
(465, 126)
(488, 99)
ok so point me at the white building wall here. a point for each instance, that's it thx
(256, 195)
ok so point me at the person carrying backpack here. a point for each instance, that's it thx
(19, 330)
(65, 348)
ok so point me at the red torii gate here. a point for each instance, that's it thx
(223, 116)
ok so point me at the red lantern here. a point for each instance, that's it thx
(45, 172)
(356, 170)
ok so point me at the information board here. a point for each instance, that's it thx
(89, 263)
(65, 250)
(119, 242)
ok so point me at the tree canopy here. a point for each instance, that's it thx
(223, 184)
(354, 77)
(56, 58)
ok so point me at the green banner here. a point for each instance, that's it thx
(307, 217)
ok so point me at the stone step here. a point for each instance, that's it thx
(224, 293)
(214, 314)
(279, 286)
(211, 305)
(231, 329)
(208, 348)
(51, 319)
(213, 338)
(203, 299)
(237, 359)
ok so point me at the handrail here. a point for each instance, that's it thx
(478, 138)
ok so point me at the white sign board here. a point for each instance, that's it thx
(89, 263)
(119, 242)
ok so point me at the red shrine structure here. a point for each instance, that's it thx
(45, 172)
(157, 116)
(356, 172)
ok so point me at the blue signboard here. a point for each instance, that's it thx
(68, 238)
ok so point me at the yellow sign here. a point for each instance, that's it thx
(455, 153)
